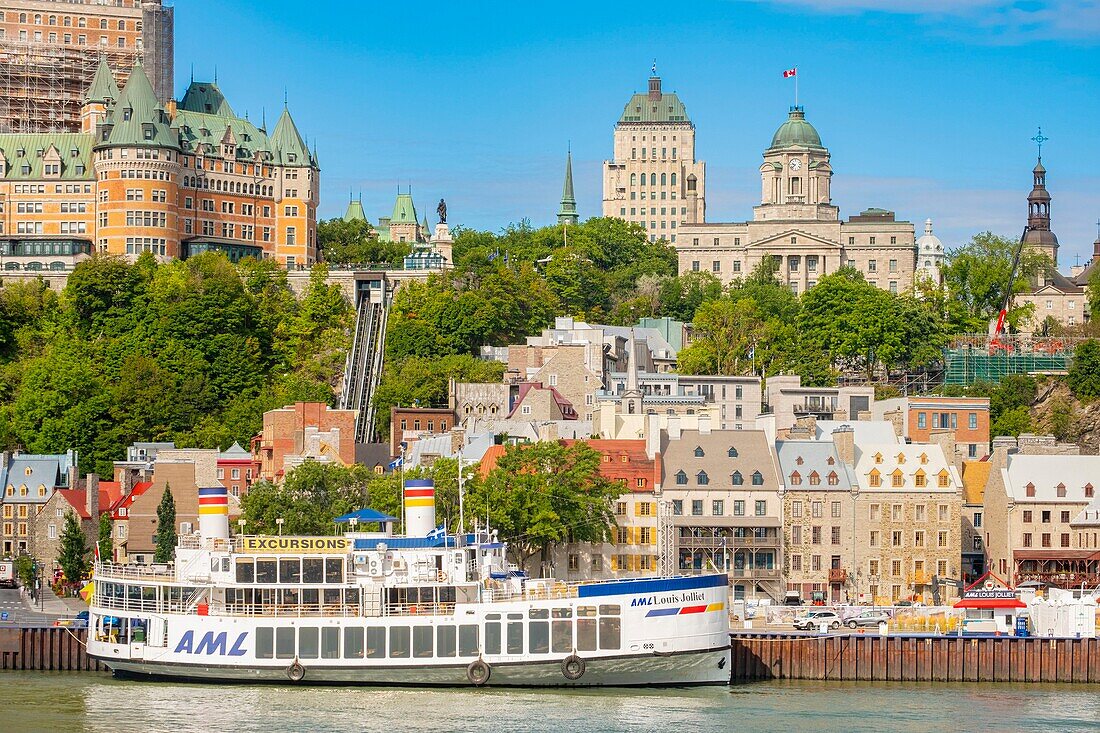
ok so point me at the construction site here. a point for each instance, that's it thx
(978, 358)
(49, 51)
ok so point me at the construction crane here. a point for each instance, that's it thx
(998, 342)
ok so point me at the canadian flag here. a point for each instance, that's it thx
(788, 73)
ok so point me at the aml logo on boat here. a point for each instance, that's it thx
(689, 597)
(210, 643)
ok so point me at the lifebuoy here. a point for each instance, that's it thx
(478, 672)
(443, 578)
(572, 668)
(295, 672)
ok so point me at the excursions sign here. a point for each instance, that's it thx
(307, 545)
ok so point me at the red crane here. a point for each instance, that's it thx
(998, 342)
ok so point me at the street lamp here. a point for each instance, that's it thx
(279, 522)
(240, 525)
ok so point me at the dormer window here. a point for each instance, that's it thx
(1088, 491)
(1061, 490)
(757, 478)
(292, 157)
(21, 152)
(833, 478)
(923, 458)
(815, 478)
(737, 479)
(878, 458)
(732, 452)
(1030, 489)
(699, 452)
(830, 460)
(681, 478)
(796, 479)
(40, 152)
(702, 479)
(127, 113)
(75, 153)
(799, 460)
(147, 130)
(901, 458)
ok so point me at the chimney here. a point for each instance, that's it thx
(844, 438)
(91, 496)
(674, 427)
(655, 88)
(806, 423)
(653, 435)
(704, 424)
(548, 432)
(945, 439)
(894, 417)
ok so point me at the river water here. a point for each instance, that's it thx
(64, 702)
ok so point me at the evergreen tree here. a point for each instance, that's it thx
(73, 555)
(106, 544)
(166, 528)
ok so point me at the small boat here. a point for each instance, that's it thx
(426, 608)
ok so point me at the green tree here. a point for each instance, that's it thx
(308, 499)
(725, 334)
(74, 550)
(543, 494)
(1084, 370)
(976, 277)
(165, 550)
(25, 570)
(356, 243)
(106, 538)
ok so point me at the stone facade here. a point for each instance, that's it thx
(304, 430)
(788, 400)
(797, 224)
(734, 401)
(653, 178)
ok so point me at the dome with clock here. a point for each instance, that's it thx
(796, 132)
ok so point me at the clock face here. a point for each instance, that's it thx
(796, 164)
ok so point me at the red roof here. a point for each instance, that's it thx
(489, 460)
(109, 492)
(991, 603)
(125, 502)
(566, 407)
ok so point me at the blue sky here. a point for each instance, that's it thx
(927, 106)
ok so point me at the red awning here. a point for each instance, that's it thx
(991, 603)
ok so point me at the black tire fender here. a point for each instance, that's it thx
(478, 672)
(572, 668)
(295, 672)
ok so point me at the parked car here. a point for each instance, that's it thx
(814, 619)
(868, 618)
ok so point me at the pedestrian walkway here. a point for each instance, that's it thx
(52, 605)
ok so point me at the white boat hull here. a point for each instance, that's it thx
(703, 667)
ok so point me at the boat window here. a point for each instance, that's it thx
(445, 641)
(290, 570)
(330, 642)
(290, 596)
(467, 640)
(422, 641)
(334, 570)
(353, 642)
(310, 596)
(610, 610)
(539, 613)
(586, 633)
(284, 642)
(515, 635)
(332, 596)
(610, 632)
(351, 596)
(538, 637)
(246, 571)
(492, 636)
(563, 635)
(376, 642)
(563, 613)
(586, 610)
(447, 594)
(492, 617)
(265, 570)
(307, 642)
(313, 570)
(265, 642)
(399, 641)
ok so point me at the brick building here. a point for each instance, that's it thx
(173, 180)
(409, 424)
(299, 432)
(235, 470)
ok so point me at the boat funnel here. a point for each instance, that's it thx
(419, 507)
(214, 513)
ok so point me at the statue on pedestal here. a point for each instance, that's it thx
(442, 211)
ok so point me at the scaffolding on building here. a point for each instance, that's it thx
(970, 358)
(42, 85)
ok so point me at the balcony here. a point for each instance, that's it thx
(838, 575)
(690, 542)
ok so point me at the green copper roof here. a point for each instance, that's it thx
(355, 211)
(796, 132)
(287, 144)
(664, 108)
(22, 161)
(137, 119)
(202, 96)
(103, 88)
(196, 129)
(568, 211)
(404, 212)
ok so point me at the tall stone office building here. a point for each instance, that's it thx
(653, 178)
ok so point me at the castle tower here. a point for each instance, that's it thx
(296, 192)
(102, 92)
(138, 169)
(567, 214)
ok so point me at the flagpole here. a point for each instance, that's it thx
(796, 86)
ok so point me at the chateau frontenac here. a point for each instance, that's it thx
(173, 180)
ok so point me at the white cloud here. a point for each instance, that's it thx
(1007, 21)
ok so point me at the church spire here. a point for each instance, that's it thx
(567, 214)
(1039, 235)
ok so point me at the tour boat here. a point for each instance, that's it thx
(426, 608)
